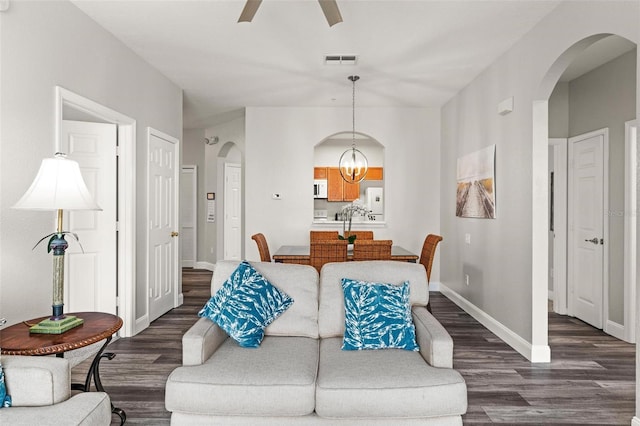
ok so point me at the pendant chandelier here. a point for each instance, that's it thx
(353, 163)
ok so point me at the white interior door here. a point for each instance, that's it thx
(586, 227)
(162, 208)
(232, 211)
(188, 215)
(91, 269)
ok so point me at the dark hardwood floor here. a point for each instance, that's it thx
(591, 379)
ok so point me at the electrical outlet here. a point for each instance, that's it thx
(467, 238)
(466, 279)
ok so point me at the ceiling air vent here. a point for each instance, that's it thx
(340, 59)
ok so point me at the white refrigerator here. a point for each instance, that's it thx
(375, 203)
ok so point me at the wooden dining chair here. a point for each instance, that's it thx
(360, 235)
(323, 235)
(427, 255)
(263, 247)
(372, 249)
(327, 251)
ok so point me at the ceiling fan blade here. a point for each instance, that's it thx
(331, 11)
(250, 9)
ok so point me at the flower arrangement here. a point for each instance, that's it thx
(356, 208)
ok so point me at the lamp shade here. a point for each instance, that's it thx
(58, 186)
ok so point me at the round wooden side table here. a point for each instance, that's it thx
(97, 326)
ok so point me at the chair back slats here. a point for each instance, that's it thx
(263, 247)
(360, 235)
(372, 249)
(323, 235)
(327, 251)
(428, 252)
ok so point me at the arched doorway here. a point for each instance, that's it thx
(230, 185)
(541, 206)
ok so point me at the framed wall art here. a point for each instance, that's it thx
(476, 184)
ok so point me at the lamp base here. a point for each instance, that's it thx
(49, 326)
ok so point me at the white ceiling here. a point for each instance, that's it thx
(410, 53)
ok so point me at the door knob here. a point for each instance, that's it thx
(594, 240)
(174, 234)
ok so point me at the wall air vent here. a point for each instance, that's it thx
(340, 59)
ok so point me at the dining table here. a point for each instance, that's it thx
(300, 254)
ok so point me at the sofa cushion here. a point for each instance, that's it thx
(331, 317)
(377, 316)
(388, 384)
(276, 379)
(245, 304)
(300, 282)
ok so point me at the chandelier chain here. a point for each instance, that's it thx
(353, 112)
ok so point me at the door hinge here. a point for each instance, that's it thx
(117, 150)
(117, 226)
(117, 302)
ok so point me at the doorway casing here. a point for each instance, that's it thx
(125, 225)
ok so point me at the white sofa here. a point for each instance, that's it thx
(40, 389)
(300, 375)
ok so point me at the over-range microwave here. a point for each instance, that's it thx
(320, 188)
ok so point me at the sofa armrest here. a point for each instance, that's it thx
(83, 409)
(201, 341)
(35, 380)
(436, 345)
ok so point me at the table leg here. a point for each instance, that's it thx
(94, 371)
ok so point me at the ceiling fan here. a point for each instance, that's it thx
(329, 8)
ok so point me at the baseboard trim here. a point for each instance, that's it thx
(550, 295)
(141, 324)
(434, 286)
(614, 329)
(537, 353)
(180, 299)
(635, 421)
(205, 265)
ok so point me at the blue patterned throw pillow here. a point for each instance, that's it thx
(5, 400)
(245, 305)
(377, 316)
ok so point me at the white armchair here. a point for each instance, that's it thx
(40, 389)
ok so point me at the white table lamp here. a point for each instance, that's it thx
(57, 186)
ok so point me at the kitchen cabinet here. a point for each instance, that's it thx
(374, 173)
(319, 172)
(338, 189)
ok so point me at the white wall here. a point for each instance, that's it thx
(280, 156)
(193, 148)
(45, 44)
(506, 264)
(559, 111)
